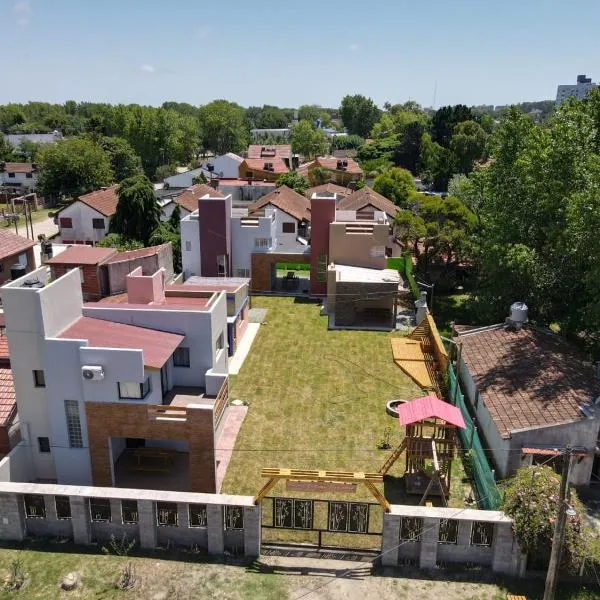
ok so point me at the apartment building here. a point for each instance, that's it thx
(126, 395)
(579, 91)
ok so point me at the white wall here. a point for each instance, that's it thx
(21, 179)
(190, 238)
(82, 230)
(244, 193)
(285, 241)
(226, 165)
(31, 314)
(185, 180)
(243, 241)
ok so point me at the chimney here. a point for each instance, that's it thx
(146, 289)
(322, 214)
(518, 316)
(214, 183)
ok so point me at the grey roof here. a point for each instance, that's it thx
(15, 139)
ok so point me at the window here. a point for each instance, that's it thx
(262, 242)
(197, 515)
(29, 175)
(98, 223)
(63, 507)
(482, 533)
(222, 264)
(34, 506)
(133, 391)
(322, 268)
(448, 533)
(38, 378)
(100, 510)
(188, 246)
(243, 273)
(129, 509)
(288, 227)
(11, 175)
(73, 424)
(219, 343)
(234, 517)
(181, 357)
(166, 514)
(411, 529)
(66, 222)
(44, 444)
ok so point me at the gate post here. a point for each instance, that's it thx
(215, 527)
(429, 543)
(252, 530)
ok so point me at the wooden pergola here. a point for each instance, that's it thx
(368, 479)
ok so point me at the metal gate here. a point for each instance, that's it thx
(322, 524)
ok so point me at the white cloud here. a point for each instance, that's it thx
(148, 68)
(353, 47)
(23, 11)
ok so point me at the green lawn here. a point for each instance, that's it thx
(317, 401)
(174, 576)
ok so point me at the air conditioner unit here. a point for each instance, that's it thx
(92, 373)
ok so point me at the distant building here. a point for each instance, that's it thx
(578, 91)
(226, 165)
(17, 178)
(258, 134)
(15, 249)
(16, 139)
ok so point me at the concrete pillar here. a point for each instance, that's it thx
(80, 519)
(12, 517)
(429, 543)
(504, 547)
(183, 515)
(50, 507)
(116, 511)
(252, 530)
(464, 533)
(147, 524)
(215, 528)
(390, 540)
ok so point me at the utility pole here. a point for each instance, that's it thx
(559, 530)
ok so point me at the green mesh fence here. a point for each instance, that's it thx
(403, 264)
(475, 459)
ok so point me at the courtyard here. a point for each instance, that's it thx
(317, 401)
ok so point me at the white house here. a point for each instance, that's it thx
(578, 91)
(87, 220)
(88, 377)
(186, 179)
(20, 178)
(226, 165)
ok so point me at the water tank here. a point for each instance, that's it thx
(17, 270)
(518, 312)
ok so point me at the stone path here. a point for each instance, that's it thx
(237, 360)
(234, 418)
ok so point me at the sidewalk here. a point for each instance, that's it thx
(237, 360)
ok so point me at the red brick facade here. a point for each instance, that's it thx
(91, 285)
(8, 262)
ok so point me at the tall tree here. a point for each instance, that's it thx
(223, 127)
(72, 167)
(467, 144)
(138, 212)
(6, 150)
(445, 119)
(359, 114)
(396, 184)
(124, 161)
(308, 141)
(294, 181)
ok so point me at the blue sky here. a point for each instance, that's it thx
(290, 53)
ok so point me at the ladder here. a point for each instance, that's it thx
(393, 457)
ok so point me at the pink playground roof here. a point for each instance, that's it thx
(428, 407)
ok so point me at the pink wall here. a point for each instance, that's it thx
(144, 289)
(322, 213)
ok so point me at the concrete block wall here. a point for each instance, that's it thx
(502, 555)
(214, 537)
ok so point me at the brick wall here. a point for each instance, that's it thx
(90, 286)
(351, 298)
(106, 420)
(8, 262)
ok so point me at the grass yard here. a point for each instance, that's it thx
(317, 401)
(271, 578)
(37, 215)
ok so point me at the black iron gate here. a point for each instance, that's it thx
(330, 524)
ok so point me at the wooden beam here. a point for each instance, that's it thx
(314, 475)
(265, 489)
(436, 465)
(379, 497)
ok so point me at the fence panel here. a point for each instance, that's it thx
(489, 494)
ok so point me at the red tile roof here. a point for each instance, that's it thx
(103, 201)
(171, 302)
(365, 197)
(17, 167)
(12, 244)
(331, 188)
(258, 164)
(83, 255)
(4, 353)
(245, 182)
(287, 200)
(331, 162)
(428, 407)
(158, 346)
(189, 198)
(266, 151)
(133, 254)
(8, 402)
(527, 378)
